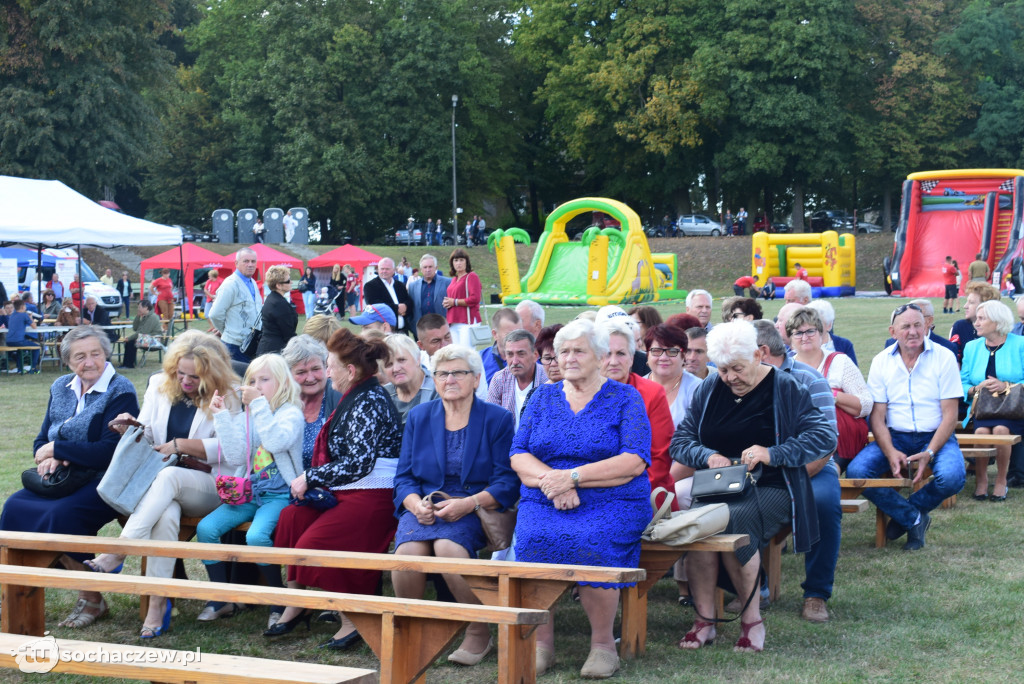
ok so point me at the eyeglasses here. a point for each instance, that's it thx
(804, 333)
(547, 360)
(457, 374)
(658, 351)
(902, 309)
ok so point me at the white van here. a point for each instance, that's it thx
(106, 296)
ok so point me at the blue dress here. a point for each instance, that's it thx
(467, 530)
(605, 529)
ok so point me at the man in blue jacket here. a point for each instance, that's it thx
(428, 292)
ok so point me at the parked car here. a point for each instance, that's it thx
(417, 235)
(698, 224)
(831, 219)
(655, 231)
(761, 224)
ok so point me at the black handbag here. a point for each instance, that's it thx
(252, 341)
(65, 480)
(713, 485)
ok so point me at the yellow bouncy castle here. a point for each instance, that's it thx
(830, 259)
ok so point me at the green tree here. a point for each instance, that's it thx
(72, 94)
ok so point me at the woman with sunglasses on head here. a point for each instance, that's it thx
(469, 463)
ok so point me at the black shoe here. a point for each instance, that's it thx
(979, 497)
(282, 628)
(893, 530)
(1015, 482)
(343, 643)
(915, 535)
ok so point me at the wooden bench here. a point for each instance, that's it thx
(535, 586)
(853, 488)
(656, 559)
(21, 351)
(166, 665)
(406, 635)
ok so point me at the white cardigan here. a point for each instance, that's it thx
(278, 432)
(156, 409)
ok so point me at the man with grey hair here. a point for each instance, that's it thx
(238, 304)
(94, 314)
(511, 385)
(531, 316)
(388, 290)
(1018, 327)
(798, 292)
(427, 293)
(820, 561)
(832, 342)
(698, 305)
(928, 311)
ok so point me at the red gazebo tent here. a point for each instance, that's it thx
(268, 256)
(356, 257)
(192, 257)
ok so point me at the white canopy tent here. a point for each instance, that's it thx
(41, 213)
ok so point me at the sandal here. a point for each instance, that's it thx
(744, 641)
(79, 618)
(692, 637)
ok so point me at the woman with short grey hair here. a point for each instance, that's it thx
(408, 384)
(84, 332)
(595, 337)
(307, 359)
(455, 352)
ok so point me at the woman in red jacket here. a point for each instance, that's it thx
(463, 298)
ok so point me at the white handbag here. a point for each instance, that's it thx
(479, 333)
(132, 469)
(684, 527)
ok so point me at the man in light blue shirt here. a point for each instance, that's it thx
(915, 385)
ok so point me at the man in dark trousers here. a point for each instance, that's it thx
(388, 290)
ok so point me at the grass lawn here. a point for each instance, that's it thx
(949, 613)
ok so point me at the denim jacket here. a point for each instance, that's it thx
(802, 434)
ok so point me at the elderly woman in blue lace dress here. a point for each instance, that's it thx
(581, 451)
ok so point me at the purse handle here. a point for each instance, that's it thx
(248, 448)
(666, 506)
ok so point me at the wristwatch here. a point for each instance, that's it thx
(574, 475)
(931, 454)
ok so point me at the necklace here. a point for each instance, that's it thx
(992, 350)
(188, 403)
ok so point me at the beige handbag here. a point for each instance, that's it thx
(498, 526)
(684, 527)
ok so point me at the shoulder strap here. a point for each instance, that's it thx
(828, 363)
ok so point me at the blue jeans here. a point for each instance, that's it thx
(947, 468)
(235, 352)
(127, 302)
(820, 561)
(226, 517)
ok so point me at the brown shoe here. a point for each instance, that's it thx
(815, 610)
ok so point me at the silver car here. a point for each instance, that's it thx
(698, 224)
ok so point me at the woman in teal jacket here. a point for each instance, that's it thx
(991, 363)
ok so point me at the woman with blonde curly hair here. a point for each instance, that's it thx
(177, 415)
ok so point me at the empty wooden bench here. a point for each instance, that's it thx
(534, 586)
(656, 559)
(165, 665)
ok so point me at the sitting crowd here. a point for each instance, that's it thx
(357, 442)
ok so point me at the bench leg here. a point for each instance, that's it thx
(517, 645)
(634, 623)
(880, 522)
(405, 646)
(23, 609)
(774, 566)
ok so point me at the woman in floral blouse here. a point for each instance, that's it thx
(354, 463)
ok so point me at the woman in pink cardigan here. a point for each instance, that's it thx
(462, 299)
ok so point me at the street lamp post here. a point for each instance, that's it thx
(455, 205)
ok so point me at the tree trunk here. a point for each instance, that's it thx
(798, 208)
(886, 209)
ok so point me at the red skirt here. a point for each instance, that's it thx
(364, 520)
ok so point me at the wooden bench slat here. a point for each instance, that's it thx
(854, 505)
(167, 665)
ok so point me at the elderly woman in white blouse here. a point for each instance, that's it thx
(806, 333)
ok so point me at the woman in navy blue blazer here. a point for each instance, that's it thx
(991, 363)
(458, 445)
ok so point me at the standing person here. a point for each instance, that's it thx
(480, 235)
(469, 233)
(210, 287)
(979, 269)
(336, 285)
(146, 323)
(728, 223)
(991, 363)
(74, 431)
(355, 459)
(264, 443)
(107, 278)
(462, 299)
(438, 233)
(259, 230)
(124, 288)
(238, 304)
(581, 451)
(279, 317)
(75, 290)
(352, 291)
(58, 287)
(307, 286)
(741, 221)
(389, 291)
(290, 225)
(428, 292)
(912, 423)
(163, 288)
(950, 273)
